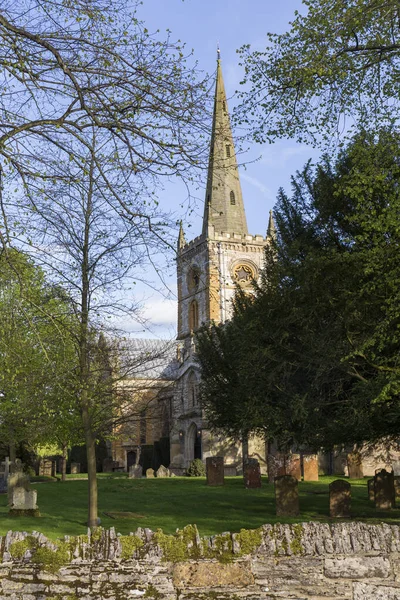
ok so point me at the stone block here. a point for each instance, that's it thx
(286, 496)
(162, 472)
(135, 472)
(372, 591)
(384, 490)
(150, 473)
(339, 499)
(357, 567)
(45, 468)
(213, 575)
(215, 470)
(354, 465)
(75, 468)
(310, 467)
(293, 466)
(276, 466)
(252, 474)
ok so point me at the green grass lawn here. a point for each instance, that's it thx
(176, 502)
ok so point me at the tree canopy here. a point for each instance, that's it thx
(334, 71)
(315, 350)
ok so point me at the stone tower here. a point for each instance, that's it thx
(208, 269)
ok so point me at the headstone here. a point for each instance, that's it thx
(45, 468)
(135, 472)
(215, 470)
(384, 490)
(24, 502)
(150, 473)
(371, 490)
(354, 465)
(17, 479)
(162, 471)
(252, 474)
(339, 499)
(75, 468)
(108, 465)
(275, 466)
(310, 467)
(230, 471)
(293, 466)
(286, 496)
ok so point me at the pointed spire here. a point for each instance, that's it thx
(271, 230)
(224, 209)
(181, 237)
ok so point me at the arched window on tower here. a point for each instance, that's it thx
(192, 390)
(232, 197)
(193, 316)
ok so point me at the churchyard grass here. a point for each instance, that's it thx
(176, 502)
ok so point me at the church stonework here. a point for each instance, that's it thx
(208, 270)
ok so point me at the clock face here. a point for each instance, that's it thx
(193, 278)
(243, 274)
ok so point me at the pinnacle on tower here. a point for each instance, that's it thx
(181, 237)
(271, 229)
(223, 207)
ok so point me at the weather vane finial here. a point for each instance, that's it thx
(218, 51)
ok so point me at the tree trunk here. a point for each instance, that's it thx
(64, 462)
(245, 449)
(12, 448)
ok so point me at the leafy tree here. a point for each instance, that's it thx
(333, 72)
(316, 350)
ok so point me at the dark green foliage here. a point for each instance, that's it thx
(196, 468)
(313, 357)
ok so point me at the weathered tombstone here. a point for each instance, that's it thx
(339, 499)
(24, 503)
(275, 466)
(75, 468)
(252, 474)
(215, 470)
(135, 472)
(45, 468)
(384, 489)
(354, 464)
(108, 465)
(150, 473)
(162, 471)
(310, 467)
(230, 471)
(18, 479)
(293, 466)
(286, 496)
(371, 491)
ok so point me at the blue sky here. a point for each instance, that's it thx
(202, 24)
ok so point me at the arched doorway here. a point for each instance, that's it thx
(193, 443)
(130, 459)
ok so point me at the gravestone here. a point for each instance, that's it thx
(371, 490)
(293, 466)
(275, 466)
(252, 474)
(45, 468)
(384, 490)
(310, 467)
(75, 468)
(354, 465)
(215, 470)
(24, 503)
(17, 479)
(135, 472)
(162, 471)
(230, 471)
(150, 473)
(286, 496)
(339, 499)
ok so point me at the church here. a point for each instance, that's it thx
(208, 269)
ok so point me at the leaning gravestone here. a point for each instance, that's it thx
(24, 503)
(310, 467)
(75, 468)
(252, 474)
(275, 466)
(135, 472)
(371, 489)
(354, 464)
(384, 489)
(150, 473)
(293, 466)
(215, 470)
(17, 479)
(339, 499)
(286, 496)
(162, 471)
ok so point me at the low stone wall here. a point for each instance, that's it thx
(306, 561)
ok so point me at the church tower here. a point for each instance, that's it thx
(208, 269)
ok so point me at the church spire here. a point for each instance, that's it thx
(181, 237)
(224, 208)
(271, 230)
